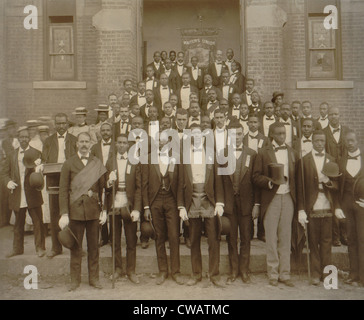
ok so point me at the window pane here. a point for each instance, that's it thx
(320, 38)
(322, 64)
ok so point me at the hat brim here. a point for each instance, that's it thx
(278, 181)
(332, 175)
(69, 231)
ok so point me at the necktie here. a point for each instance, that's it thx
(84, 158)
(306, 140)
(60, 137)
(280, 148)
(354, 158)
(123, 158)
(335, 130)
(106, 143)
(320, 154)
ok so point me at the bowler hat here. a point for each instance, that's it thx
(30, 156)
(147, 229)
(36, 180)
(276, 94)
(359, 189)
(331, 169)
(276, 173)
(102, 108)
(80, 110)
(224, 226)
(67, 238)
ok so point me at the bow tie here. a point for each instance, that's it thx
(22, 151)
(280, 148)
(195, 119)
(185, 87)
(286, 123)
(141, 96)
(239, 149)
(148, 105)
(84, 158)
(164, 88)
(335, 130)
(123, 158)
(60, 137)
(180, 65)
(253, 137)
(353, 158)
(323, 119)
(197, 150)
(180, 130)
(320, 154)
(270, 119)
(242, 119)
(106, 143)
(218, 62)
(307, 140)
(150, 79)
(236, 108)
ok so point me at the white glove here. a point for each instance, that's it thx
(103, 217)
(360, 203)
(38, 162)
(135, 215)
(339, 214)
(11, 185)
(112, 177)
(183, 214)
(39, 168)
(219, 209)
(64, 221)
(302, 218)
(324, 179)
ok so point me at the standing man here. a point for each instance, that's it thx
(201, 199)
(352, 168)
(215, 69)
(180, 68)
(307, 113)
(277, 203)
(123, 126)
(196, 73)
(139, 98)
(80, 189)
(23, 196)
(323, 119)
(185, 90)
(159, 190)
(236, 78)
(171, 74)
(151, 80)
(227, 89)
(246, 97)
(156, 64)
(144, 110)
(291, 129)
(128, 86)
(57, 148)
(207, 85)
(268, 118)
(304, 145)
(296, 107)
(318, 192)
(127, 205)
(230, 59)
(163, 91)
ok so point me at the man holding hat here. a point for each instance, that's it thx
(80, 190)
(317, 202)
(24, 195)
(127, 206)
(35, 141)
(274, 174)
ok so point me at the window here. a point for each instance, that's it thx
(60, 55)
(323, 45)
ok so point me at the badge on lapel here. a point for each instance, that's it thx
(128, 169)
(260, 144)
(247, 162)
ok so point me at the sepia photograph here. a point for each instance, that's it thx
(180, 156)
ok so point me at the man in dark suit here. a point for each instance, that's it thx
(246, 95)
(139, 98)
(80, 189)
(23, 196)
(201, 197)
(352, 168)
(320, 204)
(303, 146)
(256, 105)
(196, 73)
(159, 190)
(103, 151)
(277, 203)
(57, 149)
(227, 89)
(296, 108)
(184, 92)
(171, 74)
(215, 69)
(172, 56)
(203, 96)
(268, 118)
(127, 205)
(323, 118)
(212, 104)
(151, 81)
(150, 102)
(180, 68)
(163, 91)
(291, 127)
(240, 207)
(156, 64)
(230, 59)
(335, 146)
(236, 78)
(307, 113)
(123, 126)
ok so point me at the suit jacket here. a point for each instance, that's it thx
(10, 172)
(249, 194)
(96, 150)
(50, 154)
(152, 181)
(172, 79)
(157, 72)
(155, 82)
(213, 186)
(263, 141)
(157, 95)
(193, 89)
(84, 208)
(244, 100)
(199, 81)
(216, 80)
(134, 100)
(133, 183)
(337, 150)
(239, 82)
(116, 127)
(210, 111)
(259, 111)
(203, 97)
(143, 113)
(311, 184)
(178, 76)
(261, 175)
(232, 89)
(238, 65)
(7, 146)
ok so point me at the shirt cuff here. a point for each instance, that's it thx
(181, 207)
(146, 207)
(220, 204)
(257, 204)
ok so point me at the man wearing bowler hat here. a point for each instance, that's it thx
(317, 202)
(274, 174)
(127, 206)
(24, 195)
(80, 190)
(351, 199)
(241, 204)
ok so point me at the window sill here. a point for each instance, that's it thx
(59, 85)
(325, 84)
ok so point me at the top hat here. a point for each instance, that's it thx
(102, 108)
(80, 110)
(36, 180)
(147, 229)
(358, 189)
(67, 238)
(276, 94)
(276, 173)
(224, 226)
(30, 156)
(331, 169)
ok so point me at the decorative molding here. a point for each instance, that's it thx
(325, 84)
(59, 85)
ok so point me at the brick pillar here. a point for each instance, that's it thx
(264, 24)
(2, 61)
(116, 25)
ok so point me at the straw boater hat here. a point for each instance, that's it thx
(22, 128)
(32, 123)
(43, 128)
(102, 108)
(80, 110)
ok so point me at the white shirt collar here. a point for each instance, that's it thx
(125, 155)
(64, 135)
(332, 128)
(253, 134)
(80, 155)
(355, 153)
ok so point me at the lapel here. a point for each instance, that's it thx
(312, 164)
(272, 155)
(16, 173)
(54, 146)
(156, 168)
(291, 166)
(243, 168)
(209, 168)
(189, 172)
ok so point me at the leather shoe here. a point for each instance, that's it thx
(117, 275)
(287, 282)
(133, 278)
(145, 245)
(188, 243)
(52, 254)
(73, 286)
(315, 281)
(230, 279)
(273, 282)
(13, 254)
(161, 278)
(245, 278)
(41, 253)
(193, 281)
(96, 284)
(217, 282)
(178, 279)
